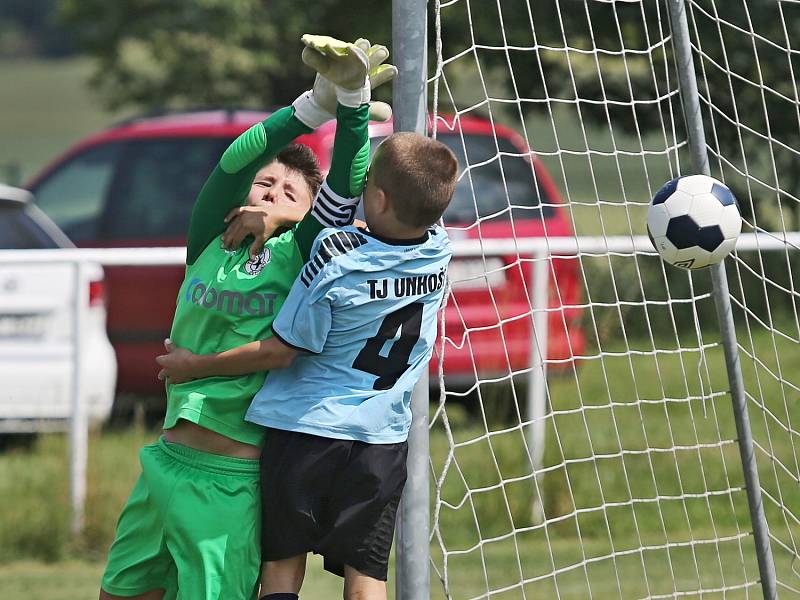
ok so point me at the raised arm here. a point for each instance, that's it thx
(336, 202)
(344, 80)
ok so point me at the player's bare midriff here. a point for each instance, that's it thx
(194, 436)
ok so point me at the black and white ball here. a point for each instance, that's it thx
(694, 221)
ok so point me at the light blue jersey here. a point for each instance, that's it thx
(363, 310)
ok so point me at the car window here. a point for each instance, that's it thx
(18, 231)
(156, 186)
(488, 191)
(74, 195)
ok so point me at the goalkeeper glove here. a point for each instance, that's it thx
(345, 73)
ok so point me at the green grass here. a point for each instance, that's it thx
(589, 165)
(625, 471)
(78, 580)
(607, 191)
(66, 580)
(47, 108)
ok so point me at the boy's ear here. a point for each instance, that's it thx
(381, 201)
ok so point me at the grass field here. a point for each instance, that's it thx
(78, 580)
(48, 108)
(627, 471)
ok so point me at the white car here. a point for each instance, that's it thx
(37, 328)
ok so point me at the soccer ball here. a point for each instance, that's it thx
(693, 221)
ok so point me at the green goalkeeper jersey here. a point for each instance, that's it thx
(228, 299)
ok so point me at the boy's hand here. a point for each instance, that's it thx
(342, 63)
(177, 366)
(258, 221)
(324, 90)
(379, 73)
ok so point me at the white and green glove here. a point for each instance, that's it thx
(346, 74)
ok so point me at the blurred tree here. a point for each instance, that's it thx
(29, 28)
(189, 53)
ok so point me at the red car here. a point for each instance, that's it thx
(134, 185)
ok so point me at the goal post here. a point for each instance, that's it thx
(409, 37)
(722, 302)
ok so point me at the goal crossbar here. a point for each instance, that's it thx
(537, 246)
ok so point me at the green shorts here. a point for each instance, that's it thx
(191, 527)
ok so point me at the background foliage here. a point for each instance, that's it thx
(209, 52)
(32, 28)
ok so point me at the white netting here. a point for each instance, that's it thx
(629, 484)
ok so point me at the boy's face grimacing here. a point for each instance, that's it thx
(280, 186)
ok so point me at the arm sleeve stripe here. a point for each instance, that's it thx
(323, 213)
(340, 217)
(325, 220)
(332, 209)
(336, 244)
(327, 196)
(285, 343)
(327, 250)
(310, 272)
(346, 241)
(313, 268)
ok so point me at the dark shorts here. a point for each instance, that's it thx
(337, 498)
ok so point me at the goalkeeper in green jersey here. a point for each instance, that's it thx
(191, 526)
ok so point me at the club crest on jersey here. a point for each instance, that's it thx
(255, 265)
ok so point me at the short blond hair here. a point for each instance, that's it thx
(418, 174)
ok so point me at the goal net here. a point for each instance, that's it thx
(583, 442)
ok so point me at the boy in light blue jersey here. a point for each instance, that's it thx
(363, 316)
(350, 342)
